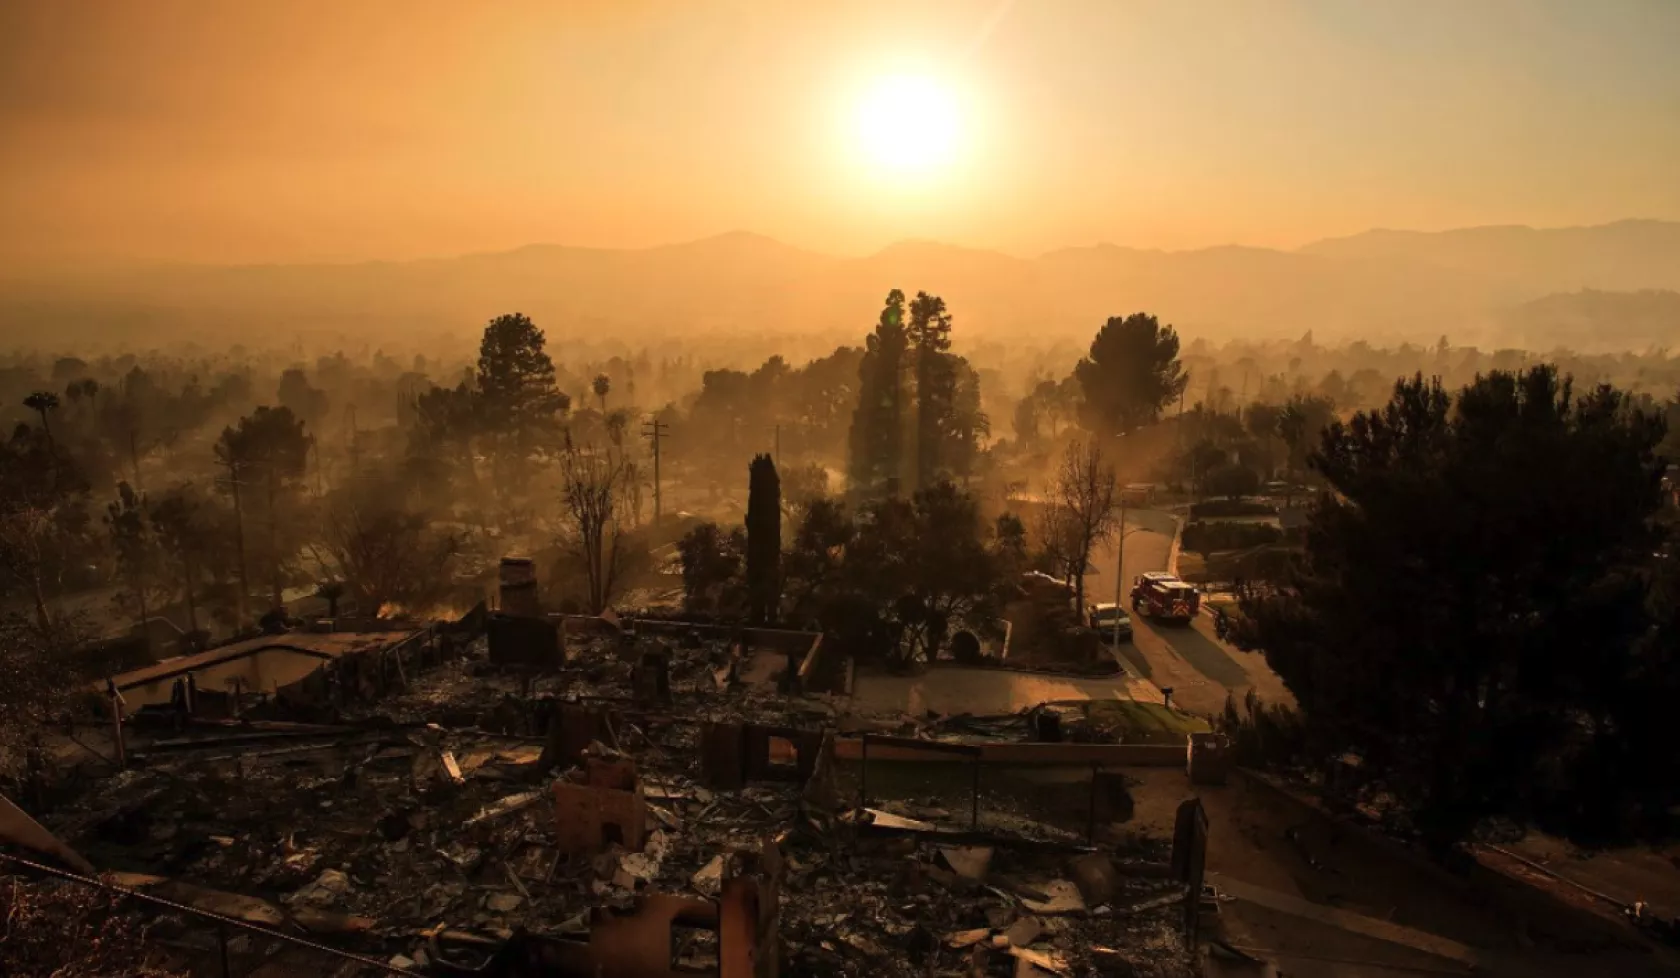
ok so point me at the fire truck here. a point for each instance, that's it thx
(1164, 597)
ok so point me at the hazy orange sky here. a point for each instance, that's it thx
(278, 131)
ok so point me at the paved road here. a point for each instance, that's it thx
(1200, 669)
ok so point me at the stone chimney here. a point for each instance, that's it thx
(519, 588)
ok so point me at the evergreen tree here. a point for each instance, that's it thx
(1470, 614)
(936, 385)
(711, 561)
(446, 419)
(1132, 371)
(266, 455)
(516, 377)
(877, 432)
(519, 406)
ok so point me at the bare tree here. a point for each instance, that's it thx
(39, 681)
(386, 551)
(1059, 540)
(634, 483)
(1084, 493)
(802, 485)
(28, 537)
(42, 521)
(596, 490)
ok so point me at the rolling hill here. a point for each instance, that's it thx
(1377, 285)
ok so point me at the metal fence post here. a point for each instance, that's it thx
(863, 776)
(1091, 818)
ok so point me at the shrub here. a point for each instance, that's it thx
(1206, 538)
(1232, 507)
(1263, 735)
(64, 930)
(1232, 480)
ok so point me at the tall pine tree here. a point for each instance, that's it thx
(1469, 614)
(877, 433)
(936, 385)
(519, 407)
(1132, 372)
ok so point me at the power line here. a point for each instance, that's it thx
(220, 919)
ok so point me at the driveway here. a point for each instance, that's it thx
(1200, 669)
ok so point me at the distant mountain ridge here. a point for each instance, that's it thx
(1639, 321)
(1376, 285)
(1622, 256)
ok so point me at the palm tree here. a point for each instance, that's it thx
(41, 402)
(601, 385)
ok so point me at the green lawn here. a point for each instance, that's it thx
(1147, 723)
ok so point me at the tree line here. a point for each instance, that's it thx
(1484, 614)
(906, 558)
(1487, 575)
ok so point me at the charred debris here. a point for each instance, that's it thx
(531, 795)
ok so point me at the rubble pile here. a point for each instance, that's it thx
(480, 807)
(901, 904)
(702, 681)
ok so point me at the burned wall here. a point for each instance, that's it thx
(604, 806)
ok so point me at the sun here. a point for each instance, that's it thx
(908, 124)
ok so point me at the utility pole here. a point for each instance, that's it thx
(654, 431)
(1119, 568)
(1119, 561)
(1181, 392)
(778, 450)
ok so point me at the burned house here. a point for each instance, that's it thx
(670, 935)
(301, 666)
(603, 815)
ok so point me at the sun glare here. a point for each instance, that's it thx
(908, 124)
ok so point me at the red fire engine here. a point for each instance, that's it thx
(1164, 597)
